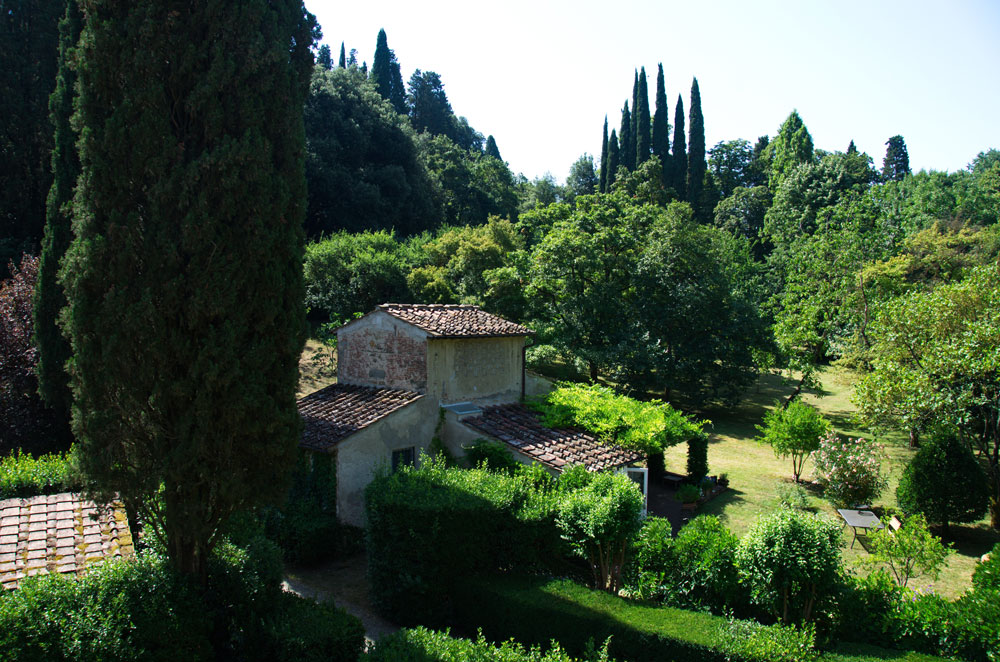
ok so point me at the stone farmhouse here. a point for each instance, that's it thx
(408, 373)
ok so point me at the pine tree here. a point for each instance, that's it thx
(613, 163)
(661, 125)
(184, 279)
(851, 148)
(343, 57)
(491, 148)
(626, 148)
(642, 149)
(696, 156)
(603, 177)
(679, 155)
(323, 58)
(53, 349)
(429, 107)
(896, 164)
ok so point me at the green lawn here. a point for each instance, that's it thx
(755, 473)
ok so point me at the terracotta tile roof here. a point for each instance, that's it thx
(559, 448)
(454, 321)
(58, 533)
(339, 410)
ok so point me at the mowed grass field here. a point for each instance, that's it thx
(756, 475)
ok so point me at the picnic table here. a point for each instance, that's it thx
(859, 519)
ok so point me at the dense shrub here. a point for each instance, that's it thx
(651, 560)
(790, 561)
(986, 576)
(945, 482)
(422, 645)
(911, 551)
(492, 455)
(431, 528)
(22, 475)
(139, 609)
(305, 527)
(747, 640)
(704, 574)
(850, 470)
(599, 521)
(697, 457)
(967, 629)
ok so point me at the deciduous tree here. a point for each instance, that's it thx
(793, 431)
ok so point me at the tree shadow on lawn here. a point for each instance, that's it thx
(969, 540)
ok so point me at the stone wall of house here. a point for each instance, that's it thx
(366, 451)
(380, 350)
(477, 369)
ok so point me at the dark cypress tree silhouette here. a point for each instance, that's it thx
(661, 125)
(53, 348)
(633, 136)
(343, 56)
(323, 58)
(603, 176)
(613, 162)
(429, 107)
(696, 155)
(625, 146)
(642, 146)
(679, 154)
(852, 149)
(386, 76)
(491, 148)
(896, 164)
(184, 279)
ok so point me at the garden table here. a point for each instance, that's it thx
(859, 519)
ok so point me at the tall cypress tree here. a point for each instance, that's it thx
(184, 279)
(626, 147)
(386, 76)
(642, 149)
(343, 57)
(323, 58)
(679, 155)
(696, 155)
(633, 136)
(53, 348)
(613, 162)
(661, 125)
(603, 177)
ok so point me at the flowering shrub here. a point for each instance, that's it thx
(850, 469)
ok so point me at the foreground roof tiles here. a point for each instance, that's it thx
(454, 321)
(559, 448)
(58, 533)
(339, 410)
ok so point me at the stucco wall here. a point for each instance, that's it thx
(361, 454)
(474, 369)
(380, 350)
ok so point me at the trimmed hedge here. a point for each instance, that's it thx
(431, 529)
(23, 475)
(535, 611)
(138, 609)
(422, 645)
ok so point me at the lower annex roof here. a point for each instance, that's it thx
(339, 410)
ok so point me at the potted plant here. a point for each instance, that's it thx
(688, 495)
(723, 480)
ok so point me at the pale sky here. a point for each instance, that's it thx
(540, 76)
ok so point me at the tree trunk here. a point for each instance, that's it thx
(593, 371)
(914, 439)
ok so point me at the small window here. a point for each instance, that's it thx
(404, 457)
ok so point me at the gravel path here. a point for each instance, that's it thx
(344, 583)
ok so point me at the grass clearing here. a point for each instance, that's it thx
(317, 367)
(755, 474)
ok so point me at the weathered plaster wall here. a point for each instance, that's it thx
(536, 385)
(361, 454)
(379, 350)
(477, 369)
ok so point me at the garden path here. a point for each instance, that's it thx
(344, 582)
